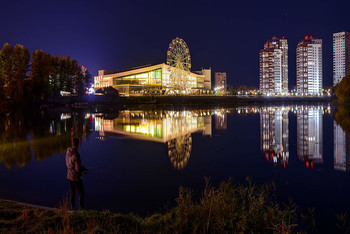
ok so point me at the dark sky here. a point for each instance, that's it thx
(223, 35)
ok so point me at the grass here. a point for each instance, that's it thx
(228, 208)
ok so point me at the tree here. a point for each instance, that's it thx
(6, 74)
(342, 91)
(231, 90)
(65, 72)
(342, 117)
(68, 82)
(54, 77)
(48, 76)
(77, 78)
(21, 58)
(86, 78)
(82, 78)
(14, 65)
(40, 74)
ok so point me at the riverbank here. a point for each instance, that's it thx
(100, 103)
(180, 100)
(228, 208)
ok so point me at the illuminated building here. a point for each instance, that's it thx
(207, 78)
(174, 77)
(341, 149)
(309, 67)
(341, 56)
(274, 67)
(146, 80)
(309, 135)
(173, 128)
(274, 134)
(220, 82)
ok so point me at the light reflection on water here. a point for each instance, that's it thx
(173, 128)
(140, 151)
(25, 136)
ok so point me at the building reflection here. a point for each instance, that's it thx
(43, 134)
(220, 119)
(173, 128)
(309, 134)
(274, 134)
(341, 149)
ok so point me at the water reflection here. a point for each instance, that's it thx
(341, 139)
(274, 134)
(341, 149)
(309, 135)
(173, 128)
(38, 135)
(179, 150)
(46, 133)
(220, 119)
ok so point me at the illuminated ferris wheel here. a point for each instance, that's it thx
(179, 60)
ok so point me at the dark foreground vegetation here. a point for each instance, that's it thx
(226, 209)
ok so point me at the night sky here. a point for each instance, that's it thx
(223, 35)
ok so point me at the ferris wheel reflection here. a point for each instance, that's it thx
(170, 127)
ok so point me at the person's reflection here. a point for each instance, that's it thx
(74, 170)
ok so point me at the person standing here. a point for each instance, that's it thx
(74, 170)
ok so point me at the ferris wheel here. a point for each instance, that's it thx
(179, 61)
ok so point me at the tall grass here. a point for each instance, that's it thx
(226, 209)
(229, 208)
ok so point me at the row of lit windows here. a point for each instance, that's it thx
(145, 78)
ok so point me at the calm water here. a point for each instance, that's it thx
(137, 159)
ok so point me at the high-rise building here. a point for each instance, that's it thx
(341, 56)
(309, 67)
(274, 67)
(309, 135)
(220, 82)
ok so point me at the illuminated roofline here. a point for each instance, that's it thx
(144, 69)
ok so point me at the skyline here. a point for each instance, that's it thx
(224, 36)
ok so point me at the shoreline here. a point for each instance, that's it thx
(210, 214)
(115, 103)
(230, 207)
(107, 102)
(24, 204)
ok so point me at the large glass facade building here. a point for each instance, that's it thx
(152, 79)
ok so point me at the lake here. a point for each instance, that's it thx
(137, 159)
